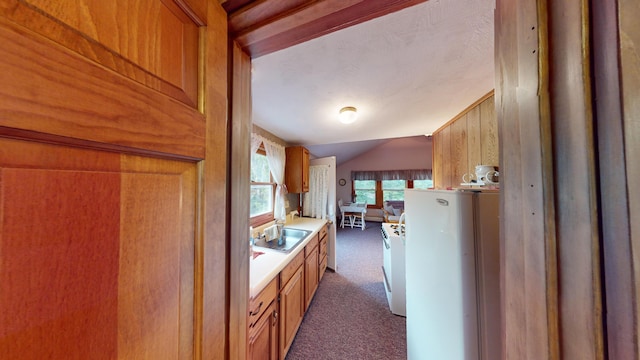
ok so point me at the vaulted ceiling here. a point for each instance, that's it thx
(408, 66)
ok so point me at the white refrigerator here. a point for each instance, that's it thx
(452, 275)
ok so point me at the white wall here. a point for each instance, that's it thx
(397, 154)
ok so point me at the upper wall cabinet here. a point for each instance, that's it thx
(296, 174)
(468, 140)
(154, 42)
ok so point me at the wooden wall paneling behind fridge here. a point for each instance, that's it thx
(474, 138)
(467, 140)
(459, 150)
(103, 231)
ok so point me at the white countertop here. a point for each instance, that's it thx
(266, 266)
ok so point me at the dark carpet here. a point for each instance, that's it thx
(349, 317)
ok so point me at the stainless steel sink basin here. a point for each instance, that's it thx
(289, 239)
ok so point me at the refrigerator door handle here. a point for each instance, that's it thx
(442, 202)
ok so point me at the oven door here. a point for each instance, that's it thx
(386, 264)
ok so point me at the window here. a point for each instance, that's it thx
(422, 184)
(262, 190)
(393, 189)
(365, 190)
(375, 192)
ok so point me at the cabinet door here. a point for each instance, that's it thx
(263, 338)
(310, 276)
(297, 169)
(291, 310)
(100, 185)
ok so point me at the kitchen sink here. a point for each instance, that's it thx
(288, 240)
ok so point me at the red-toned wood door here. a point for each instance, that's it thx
(96, 254)
(102, 144)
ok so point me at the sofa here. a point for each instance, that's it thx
(392, 210)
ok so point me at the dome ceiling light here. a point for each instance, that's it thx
(348, 114)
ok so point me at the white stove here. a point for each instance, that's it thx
(393, 266)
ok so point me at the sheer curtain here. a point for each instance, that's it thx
(277, 156)
(315, 201)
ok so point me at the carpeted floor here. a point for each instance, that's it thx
(349, 317)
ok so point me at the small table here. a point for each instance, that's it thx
(354, 212)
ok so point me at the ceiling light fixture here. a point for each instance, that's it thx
(348, 114)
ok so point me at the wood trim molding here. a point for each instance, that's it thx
(264, 26)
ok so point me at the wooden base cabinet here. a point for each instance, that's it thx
(263, 337)
(322, 253)
(263, 324)
(291, 302)
(292, 310)
(310, 275)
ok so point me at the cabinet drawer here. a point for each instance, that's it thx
(311, 245)
(260, 303)
(291, 268)
(323, 247)
(323, 232)
(322, 267)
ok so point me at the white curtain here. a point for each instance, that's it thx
(315, 201)
(276, 156)
(256, 140)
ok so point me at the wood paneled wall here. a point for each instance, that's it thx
(469, 139)
(550, 240)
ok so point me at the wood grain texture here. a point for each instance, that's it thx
(467, 140)
(523, 237)
(437, 165)
(213, 239)
(261, 31)
(621, 289)
(59, 261)
(489, 139)
(580, 303)
(156, 258)
(48, 26)
(79, 99)
(474, 140)
(630, 77)
(239, 189)
(459, 151)
(447, 169)
(156, 35)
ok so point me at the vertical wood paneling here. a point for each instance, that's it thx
(239, 188)
(621, 313)
(470, 139)
(474, 140)
(489, 133)
(575, 196)
(459, 160)
(528, 325)
(447, 172)
(437, 165)
(214, 256)
(630, 77)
